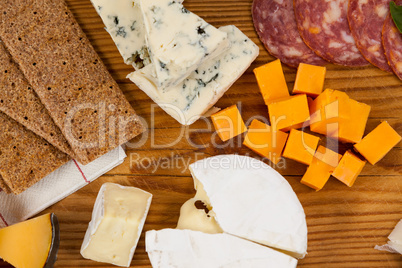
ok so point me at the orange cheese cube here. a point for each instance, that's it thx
(265, 141)
(328, 110)
(288, 113)
(301, 146)
(348, 168)
(271, 81)
(375, 145)
(321, 168)
(228, 123)
(352, 129)
(309, 80)
(305, 123)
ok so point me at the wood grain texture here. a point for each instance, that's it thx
(344, 223)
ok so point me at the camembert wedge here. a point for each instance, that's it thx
(117, 220)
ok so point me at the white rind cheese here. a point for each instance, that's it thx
(185, 248)
(123, 21)
(253, 201)
(394, 244)
(117, 220)
(189, 100)
(178, 40)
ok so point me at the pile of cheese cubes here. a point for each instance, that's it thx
(331, 113)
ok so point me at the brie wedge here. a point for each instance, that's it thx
(249, 199)
(193, 97)
(394, 244)
(178, 40)
(186, 248)
(117, 220)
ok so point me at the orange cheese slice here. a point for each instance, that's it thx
(348, 168)
(301, 146)
(265, 141)
(271, 81)
(309, 80)
(228, 123)
(375, 145)
(30, 244)
(321, 168)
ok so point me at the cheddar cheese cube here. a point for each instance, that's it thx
(228, 123)
(309, 80)
(328, 110)
(288, 113)
(271, 81)
(306, 123)
(323, 165)
(301, 146)
(375, 145)
(348, 168)
(265, 141)
(352, 129)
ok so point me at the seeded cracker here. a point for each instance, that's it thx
(19, 101)
(25, 158)
(68, 76)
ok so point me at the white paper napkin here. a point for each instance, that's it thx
(56, 186)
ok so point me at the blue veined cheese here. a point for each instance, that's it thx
(189, 100)
(123, 21)
(178, 40)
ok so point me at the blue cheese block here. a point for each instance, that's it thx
(193, 97)
(123, 21)
(178, 40)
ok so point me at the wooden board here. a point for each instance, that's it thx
(344, 223)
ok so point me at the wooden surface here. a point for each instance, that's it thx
(344, 223)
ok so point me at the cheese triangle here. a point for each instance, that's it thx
(31, 244)
(178, 40)
(186, 248)
(251, 200)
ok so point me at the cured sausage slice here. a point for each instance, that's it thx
(324, 27)
(275, 24)
(392, 42)
(366, 19)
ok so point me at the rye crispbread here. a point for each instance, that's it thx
(25, 158)
(19, 101)
(70, 79)
(4, 187)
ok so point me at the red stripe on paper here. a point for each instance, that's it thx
(82, 173)
(2, 218)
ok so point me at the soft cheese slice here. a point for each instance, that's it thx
(185, 248)
(394, 244)
(178, 40)
(123, 21)
(117, 220)
(253, 201)
(189, 100)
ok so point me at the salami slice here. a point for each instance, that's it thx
(392, 42)
(366, 19)
(275, 24)
(324, 27)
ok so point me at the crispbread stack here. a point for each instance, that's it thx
(71, 81)
(19, 101)
(25, 158)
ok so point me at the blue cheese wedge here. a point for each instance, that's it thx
(190, 99)
(178, 40)
(117, 220)
(186, 248)
(123, 21)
